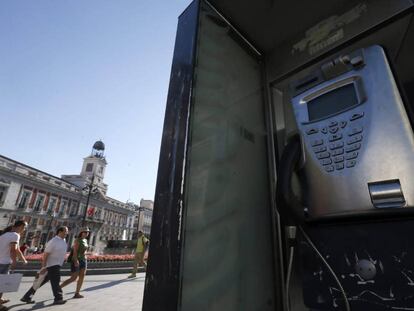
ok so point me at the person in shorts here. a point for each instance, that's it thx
(142, 245)
(78, 261)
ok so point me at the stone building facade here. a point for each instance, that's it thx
(46, 202)
(143, 217)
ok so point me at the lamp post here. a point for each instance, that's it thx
(91, 188)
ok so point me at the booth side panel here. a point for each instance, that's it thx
(162, 279)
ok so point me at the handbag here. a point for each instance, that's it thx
(10, 282)
(40, 277)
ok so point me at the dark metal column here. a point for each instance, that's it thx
(163, 272)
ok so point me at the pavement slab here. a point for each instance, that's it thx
(102, 292)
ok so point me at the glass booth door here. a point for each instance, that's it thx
(221, 249)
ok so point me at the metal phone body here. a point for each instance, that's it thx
(357, 141)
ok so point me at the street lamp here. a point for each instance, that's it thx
(91, 189)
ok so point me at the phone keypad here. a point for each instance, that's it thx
(337, 152)
(317, 142)
(339, 166)
(338, 142)
(320, 149)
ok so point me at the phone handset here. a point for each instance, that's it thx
(288, 203)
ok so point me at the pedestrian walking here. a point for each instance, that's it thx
(10, 251)
(142, 245)
(53, 258)
(78, 261)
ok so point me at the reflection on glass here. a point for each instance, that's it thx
(227, 252)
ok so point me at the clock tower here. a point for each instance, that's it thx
(95, 165)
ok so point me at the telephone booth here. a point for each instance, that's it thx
(286, 171)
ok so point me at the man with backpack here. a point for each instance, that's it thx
(142, 246)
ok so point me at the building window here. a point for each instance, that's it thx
(52, 204)
(82, 209)
(74, 209)
(24, 199)
(39, 202)
(89, 167)
(3, 192)
(63, 207)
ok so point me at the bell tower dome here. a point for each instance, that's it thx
(98, 149)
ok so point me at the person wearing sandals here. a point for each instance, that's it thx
(10, 251)
(78, 261)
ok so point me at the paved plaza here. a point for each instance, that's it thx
(102, 292)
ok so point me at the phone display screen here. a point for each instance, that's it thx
(332, 102)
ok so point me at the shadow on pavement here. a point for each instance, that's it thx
(109, 284)
(36, 306)
(41, 304)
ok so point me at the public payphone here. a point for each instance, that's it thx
(353, 154)
(286, 168)
(356, 141)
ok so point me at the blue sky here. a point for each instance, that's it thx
(73, 72)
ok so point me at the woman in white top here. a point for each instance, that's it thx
(10, 251)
